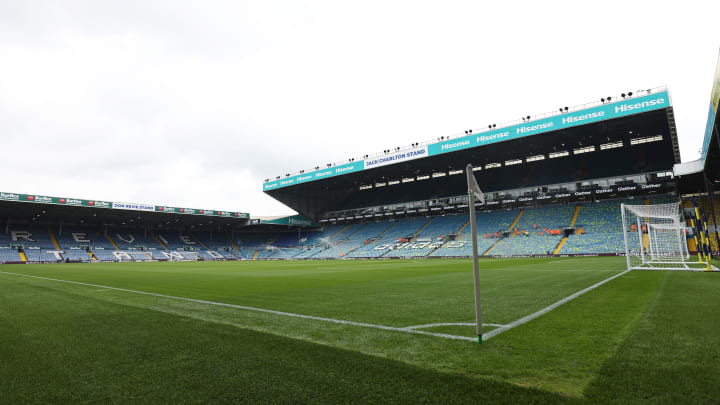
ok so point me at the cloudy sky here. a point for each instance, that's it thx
(194, 103)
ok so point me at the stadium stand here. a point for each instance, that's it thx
(318, 242)
(177, 240)
(158, 255)
(74, 237)
(80, 255)
(8, 255)
(129, 240)
(28, 236)
(537, 232)
(219, 243)
(527, 231)
(42, 256)
(384, 233)
(357, 238)
(36, 243)
(601, 225)
(488, 224)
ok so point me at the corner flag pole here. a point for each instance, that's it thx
(473, 193)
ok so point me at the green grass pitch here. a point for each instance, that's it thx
(644, 336)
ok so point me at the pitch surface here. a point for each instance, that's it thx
(80, 333)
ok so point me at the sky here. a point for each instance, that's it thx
(195, 103)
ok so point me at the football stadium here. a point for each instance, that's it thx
(564, 257)
(367, 295)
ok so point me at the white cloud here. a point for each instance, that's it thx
(194, 104)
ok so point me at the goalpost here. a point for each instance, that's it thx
(654, 237)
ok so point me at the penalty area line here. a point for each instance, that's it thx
(549, 308)
(255, 309)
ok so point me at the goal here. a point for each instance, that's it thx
(655, 238)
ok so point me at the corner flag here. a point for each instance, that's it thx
(474, 193)
(473, 187)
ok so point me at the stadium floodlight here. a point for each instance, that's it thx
(474, 193)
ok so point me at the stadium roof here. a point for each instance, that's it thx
(692, 175)
(37, 208)
(291, 221)
(564, 118)
(632, 136)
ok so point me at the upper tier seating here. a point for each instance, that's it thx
(77, 237)
(35, 236)
(178, 240)
(133, 240)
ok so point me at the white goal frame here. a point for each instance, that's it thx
(658, 241)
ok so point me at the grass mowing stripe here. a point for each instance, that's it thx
(547, 309)
(561, 351)
(61, 348)
(269, 311)
(395, 293)
(673, 353)
(564, 350)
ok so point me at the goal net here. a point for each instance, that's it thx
(655, 238)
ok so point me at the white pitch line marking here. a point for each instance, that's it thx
(565, 260)
(105, 289)
(269, 311)
(433, 325)
(549, 308)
